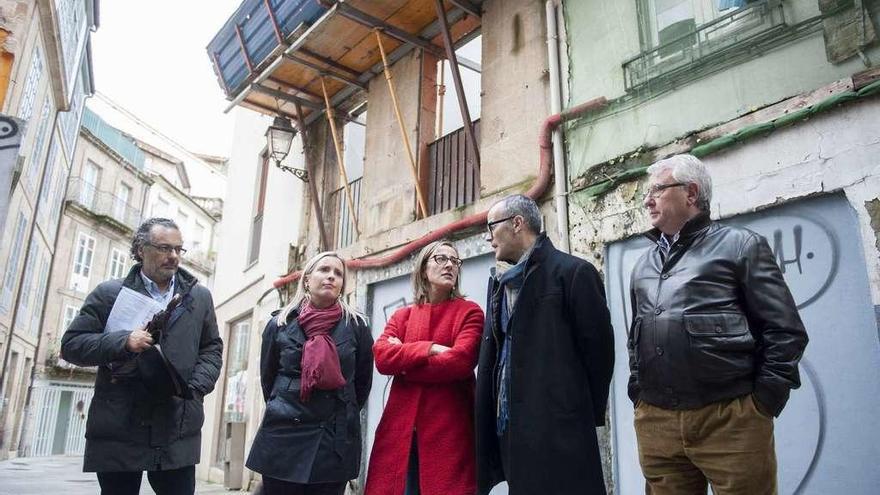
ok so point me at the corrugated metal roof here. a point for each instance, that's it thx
(115, 139)
(258, 36)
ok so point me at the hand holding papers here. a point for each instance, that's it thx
(132, 310)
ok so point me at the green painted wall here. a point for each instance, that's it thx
(602, 35)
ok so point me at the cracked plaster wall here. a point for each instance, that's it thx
(836, 151)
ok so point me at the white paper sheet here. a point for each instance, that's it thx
(132, 310)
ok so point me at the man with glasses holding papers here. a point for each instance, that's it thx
(153, 336)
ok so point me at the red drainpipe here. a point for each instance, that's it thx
(538, 188)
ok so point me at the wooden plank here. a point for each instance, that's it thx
(866, 77)
(434, 151)
(462, 199)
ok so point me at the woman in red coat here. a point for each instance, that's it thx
(425, 440)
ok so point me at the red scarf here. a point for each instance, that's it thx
(320, 362)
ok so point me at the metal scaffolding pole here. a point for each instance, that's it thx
(340, 161)
(456, 78)
(409, 152)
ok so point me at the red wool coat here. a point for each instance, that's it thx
(431, 395)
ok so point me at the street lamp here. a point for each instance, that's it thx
(279, 137)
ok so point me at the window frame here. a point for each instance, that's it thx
(82, 261)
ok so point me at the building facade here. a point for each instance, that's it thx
(45, 76)
(778, 98)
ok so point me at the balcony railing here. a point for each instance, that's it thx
(343, 232)
(454, 177)
(103, 203)
(722, 40)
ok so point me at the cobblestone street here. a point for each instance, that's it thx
(63, 474)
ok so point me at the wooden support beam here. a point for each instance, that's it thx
(330, 62)
(470, 64)
(367, 20)
(323, 71)
(275, 26)
(269, 110)
(423, 206)
(244, 53)
(287, 97)
(313, 188)
(467, 6)
(456, 78)
(340, 159)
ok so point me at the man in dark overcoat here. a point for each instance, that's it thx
(131, 429)
(545, 362)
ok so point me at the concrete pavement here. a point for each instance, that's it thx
(63, 474)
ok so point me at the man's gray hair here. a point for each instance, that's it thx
(142, 236)
(690, 170)
(525, 207)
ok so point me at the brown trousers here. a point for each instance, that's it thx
(727, 444)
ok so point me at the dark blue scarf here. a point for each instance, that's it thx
(513, 279)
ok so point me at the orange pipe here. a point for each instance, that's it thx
(536, 191)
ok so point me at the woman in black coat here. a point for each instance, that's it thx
(316, 369)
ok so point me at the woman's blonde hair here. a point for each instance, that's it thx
(421, 286)
(302, 294)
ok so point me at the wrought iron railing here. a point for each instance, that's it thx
(103, 203)
(344, 232)
(723, 38)
(454, 176)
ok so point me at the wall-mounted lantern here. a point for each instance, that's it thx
(279, 138)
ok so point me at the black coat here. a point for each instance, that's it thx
(127, 430)
(562, 357)
(318, 441)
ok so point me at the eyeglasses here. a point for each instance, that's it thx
(490, 227)
(442, 259)
(167, 248)
(656, 191)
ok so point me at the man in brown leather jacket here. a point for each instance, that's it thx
(714, 344)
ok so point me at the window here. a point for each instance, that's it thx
(70, 23)
(120, 202)
(84, 250)
(91, 175)
(69, 120)
(117, 263)
(259, 205)
(161, 208)
(33, 161)
(198, 236)
(182, 219)
(31, 84)
(41, 294)
(676, 34)
(27, 287)
(236, 371)
(448, 111)
(46, 187)
(70, 313)
(354, 138)
(12, 264)
(59, 187)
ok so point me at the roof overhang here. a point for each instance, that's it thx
(332, 48)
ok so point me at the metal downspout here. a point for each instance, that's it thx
(560, 174)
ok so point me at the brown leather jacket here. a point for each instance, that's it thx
(713, 320)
